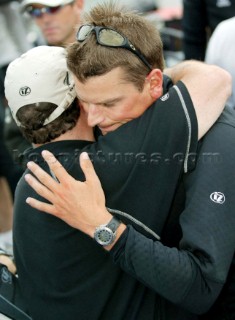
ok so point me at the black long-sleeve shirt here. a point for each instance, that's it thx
(192, 275)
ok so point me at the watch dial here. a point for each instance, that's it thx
(105, 236)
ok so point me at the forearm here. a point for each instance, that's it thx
(190, 71)
(172, 273)
(209, 87)
(182, 70)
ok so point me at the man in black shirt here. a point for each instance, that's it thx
(78, 278)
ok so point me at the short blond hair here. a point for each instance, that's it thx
(87, 59)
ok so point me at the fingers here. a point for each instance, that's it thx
(8, 263)
(42, 176)
(41, 206)
(39, 188)
(88, 168)
(56, 167)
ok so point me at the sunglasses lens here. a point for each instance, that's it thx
(38, 12)
(83, 32)
(111, 38)
(34, 12)
(53, 10)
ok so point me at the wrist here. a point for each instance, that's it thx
(120, 230)
(102, 217)
(107, 234)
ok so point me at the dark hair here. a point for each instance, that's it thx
(32, 117)
(87, 59)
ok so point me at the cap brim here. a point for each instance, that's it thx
(49, 3)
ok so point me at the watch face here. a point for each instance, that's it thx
(104, 236)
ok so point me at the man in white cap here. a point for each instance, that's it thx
(55, 18)
(44, 105)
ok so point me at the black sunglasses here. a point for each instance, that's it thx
(109, 37)
(39, 12)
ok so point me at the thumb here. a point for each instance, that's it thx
(87, 167)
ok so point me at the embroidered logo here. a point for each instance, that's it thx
(24, 91)
(165, 97)
(217, 197)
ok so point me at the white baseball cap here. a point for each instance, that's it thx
(49, 3)
(40, 75)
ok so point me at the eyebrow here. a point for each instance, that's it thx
(109, 101)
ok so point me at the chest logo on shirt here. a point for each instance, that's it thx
(24, 91)
(165, 97)
(217, 197)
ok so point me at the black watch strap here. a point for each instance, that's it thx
(113, 224)
(105, 234)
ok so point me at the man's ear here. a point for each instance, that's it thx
(79, 6)
(155, 79)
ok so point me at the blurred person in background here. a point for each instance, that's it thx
(57, 19)
(221, 51)
(200, 18)
(13, 42)
(140, 5)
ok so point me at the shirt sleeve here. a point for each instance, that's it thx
(193, 274)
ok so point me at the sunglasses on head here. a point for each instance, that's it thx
(109, 37)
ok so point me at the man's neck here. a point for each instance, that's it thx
(77, 133)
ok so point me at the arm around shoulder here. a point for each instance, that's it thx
(209, 87)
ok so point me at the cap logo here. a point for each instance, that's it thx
(24, 91)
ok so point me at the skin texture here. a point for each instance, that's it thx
(108, 100)
(8, 263)
(6, 206)
(59, 28)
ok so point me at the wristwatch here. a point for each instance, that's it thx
(105, 234)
